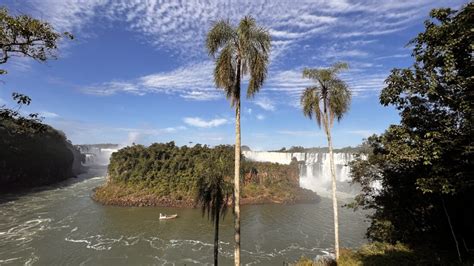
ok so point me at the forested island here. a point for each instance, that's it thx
(164, 174)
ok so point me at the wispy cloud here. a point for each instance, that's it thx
(392, 56)
(179, 26)
(260, 117)
(199, 122)
(80, 131)
(265, 103)
(47, 114)
(193, 82)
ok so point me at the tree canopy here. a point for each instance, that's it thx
(23, 35)
(239, 51)
(424, 164)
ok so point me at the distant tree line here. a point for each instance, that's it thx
(302, 149)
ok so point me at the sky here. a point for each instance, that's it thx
(138, 71)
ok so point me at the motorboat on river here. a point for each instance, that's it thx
(168, 217)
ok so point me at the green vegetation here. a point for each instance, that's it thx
(330, 98)
(378, 253)
(214, 193)
(167, 175)
(273, 183)
(25, 36)
(31, 153)
(424, 164)
(239, 51)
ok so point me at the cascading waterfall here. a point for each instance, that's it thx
(96, 155)
(314, 168)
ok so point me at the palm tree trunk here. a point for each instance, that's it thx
(334, 198)
(237, 172)
(216, 237)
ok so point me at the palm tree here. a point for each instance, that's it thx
(214, 195)
(238, 51)
(329, 98)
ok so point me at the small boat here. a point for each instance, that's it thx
(167, 217)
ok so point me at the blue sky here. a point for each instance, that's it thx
(137, 71)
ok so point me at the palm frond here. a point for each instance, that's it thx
(247, 44)
(340, 98)
(258, 73)
(338, 67)
(310, 101)
(220, 34)
(214, 193)
(256, 56)
(333, 94)
(225, 71)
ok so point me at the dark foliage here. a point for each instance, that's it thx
(424, 164)
(33, 153)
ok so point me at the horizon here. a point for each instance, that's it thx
(139, 73)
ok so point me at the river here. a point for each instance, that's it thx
(61, 225)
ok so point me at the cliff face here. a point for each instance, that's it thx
(265, 173)
(31, 157)
(273, 183)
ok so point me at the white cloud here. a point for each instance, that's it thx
(47, 114)
(181, 26)
(265, 103)
(112, 87)
(192, 82)
(199, 122)
(88, 132)
(392, 56)
(260, 117)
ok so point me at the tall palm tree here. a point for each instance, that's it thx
(329, 98)
(214, 194)
(238, 51)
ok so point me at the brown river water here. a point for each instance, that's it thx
(62, 225)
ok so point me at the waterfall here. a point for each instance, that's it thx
(314, 168)
(96, 155)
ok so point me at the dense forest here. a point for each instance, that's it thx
(33, 153)
(424, 164)
(165, 170)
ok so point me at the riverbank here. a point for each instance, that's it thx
(380, 253)
(128, 195)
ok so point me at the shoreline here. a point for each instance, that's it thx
(108, 195)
